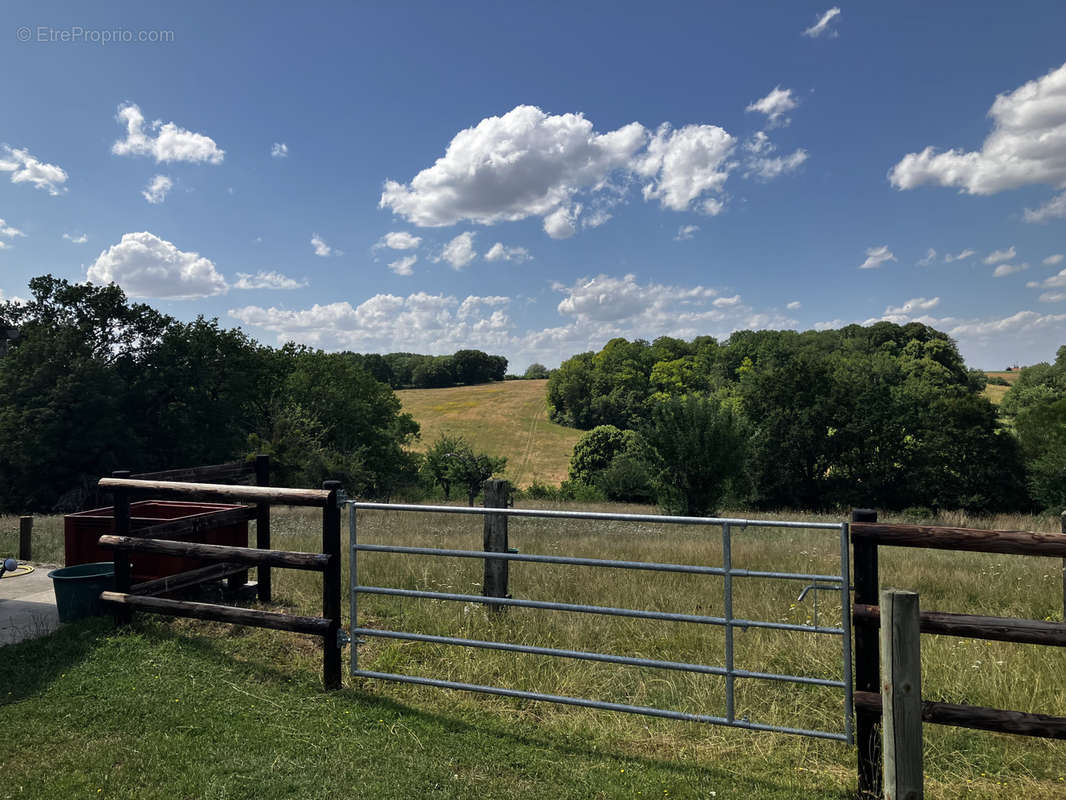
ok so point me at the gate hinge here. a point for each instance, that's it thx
(342, 497)
(343, 638)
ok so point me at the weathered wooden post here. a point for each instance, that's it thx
(1062, 527)
(262, 529)
(25, 538)
(331, 587)
(494, 583)
(901, 694)
(867, 678)
(123, 574)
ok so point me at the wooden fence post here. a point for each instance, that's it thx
(262, 529)
(495, 579)
(123, 572)
(901, 694)
(867, 667)
(1062, 527)
(331, 587)
(25, 538)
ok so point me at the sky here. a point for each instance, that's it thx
(534, 179)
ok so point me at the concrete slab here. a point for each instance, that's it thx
(27, 606)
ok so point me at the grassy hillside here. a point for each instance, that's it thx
(502, 419)
(995, 393)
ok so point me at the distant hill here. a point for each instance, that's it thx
(506, 418)
(994, 392)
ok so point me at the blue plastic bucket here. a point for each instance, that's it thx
(78, 589)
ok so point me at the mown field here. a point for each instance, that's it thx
(213, 711)
(509, 418)
(995, 392)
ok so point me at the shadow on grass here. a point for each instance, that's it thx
(28, 667)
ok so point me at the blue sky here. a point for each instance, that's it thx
(535, 179)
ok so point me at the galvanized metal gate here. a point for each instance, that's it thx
(837, 582)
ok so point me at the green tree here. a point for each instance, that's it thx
(536, 371)
(698, 445)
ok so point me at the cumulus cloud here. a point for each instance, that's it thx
(726, 302)
(76, 239)
(960, 256)
(1003, 270)
(686, 232)
(686, 164)
(9, 231)
(522, 164)
(1021, 322)
(1027, 145)
(822, 26)
(1057, 281)
(1053, 259)
(605, 298)
(459, 251)
(24, 168)
(560, 224)
(267, 280)
(1055, 208)
(775, 105)
(156, 191)
(146, 266)
(499, 252)
(420, 322)
(399, 240)
(402, 266)
(1052, 297)
(876, 256)
(1000, 255)
(915, 304)
(279, 150)
(322, 249)
(930, 257)
(767, 169)
(164, 142)
(795, 305)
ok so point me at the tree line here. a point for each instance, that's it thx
(417, 371)
(886, 416)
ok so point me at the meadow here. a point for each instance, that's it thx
(178, 697)
(508, 418)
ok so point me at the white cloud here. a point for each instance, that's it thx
(156, 191)
(769, 168)
(399, 240)
(4, 246)
(146, 266)
(876, 256)
(459, 251)
(1004, 270)
(961, 256)
(1000, 255)
(596, 218)
(1027, 145)
(24, 168)
(560, 224)
(169, 142)
(322, 249)
(1053, 260)
(79, 239)
(605, 298)
(822, 25)
(499, 252)
(525, 163)
(420, 322)
(686, 164)
(402, 266)
(1055, 208)
(726, 302)
(1057, 281)
(912, 305)
(1052, 297)
(9, 230)
(686, 232)
(795, 305)
(1021, 322)
(279, 150)
(267, 280)
(930, 257)
(775, 105)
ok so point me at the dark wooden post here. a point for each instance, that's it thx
(867, 665)
(331, 587)
(262, 529)
(1062, 527)
(901, 694)
(494, 583)
(25, 538)
(123, 574)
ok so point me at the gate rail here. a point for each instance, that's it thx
(841, 583)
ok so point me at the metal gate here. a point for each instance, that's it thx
(837, 582)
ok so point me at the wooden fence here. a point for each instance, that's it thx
(166, 539)
(866, 536)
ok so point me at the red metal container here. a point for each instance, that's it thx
(82, 530)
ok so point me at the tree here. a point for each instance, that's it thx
(536, 372)
(437, 462)
(698, 445)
